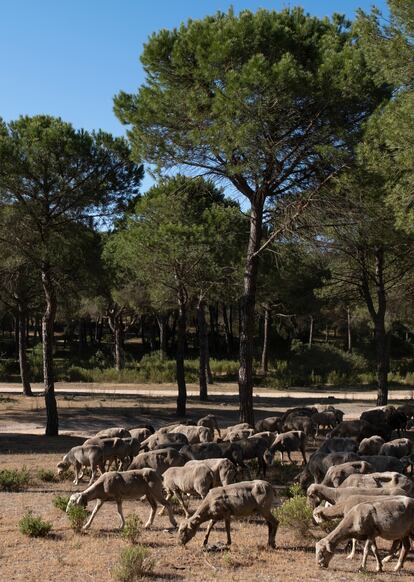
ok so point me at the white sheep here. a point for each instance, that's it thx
(224, 470)
(191, 480)
(117, 486)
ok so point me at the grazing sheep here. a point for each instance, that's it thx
(338, 473)
(209, 421)
(238, 434)
(383, 463)
(141, 433)
(164, 440)
(238, 500)
(83, 456)
(267, 435)
(386, 416)
(117, 486)
(408, 409)
(338, 445)
(319, 463)
(123, 450)
(298, 422)
(224, 471)
(160, 460)
(195, 434)
(113, 433)
(317, 493)
(271, 423)
(391, 519)
(326, 420)
(288, 442)
(385, 479)
(225, 450)
(371, 445)
(397, 448)
(299, 411)
(360, 429)
(193, 480)
(254, 448)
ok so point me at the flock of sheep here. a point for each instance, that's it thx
(358, 473)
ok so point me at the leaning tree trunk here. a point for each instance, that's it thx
(348, 319)
(310, 332)
(247, 313)
(22, 341)
(382, 348)
(203, 343)
(227, 333)
(48, 320)
(265, 349)
(180, 352)
(118, 345)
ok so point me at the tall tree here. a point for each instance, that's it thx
(55, 176)
(171, 243)
(270, 102)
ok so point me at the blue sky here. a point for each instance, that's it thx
(70, 57)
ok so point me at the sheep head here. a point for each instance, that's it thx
(324, 553)
(76, 499)
(61, 467)
(186, 531)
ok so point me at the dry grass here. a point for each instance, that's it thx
(67, 556)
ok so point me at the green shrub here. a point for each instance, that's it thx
(134, 563)
(34, 526)
(60, 502)
(77, 516)
(14, 479)
(66, 475)
(47, 475)
(132, 529)
(296, 514)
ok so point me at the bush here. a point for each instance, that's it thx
(60, 502)
(134, 563)
(77, 516)
(14, 479)
(132, 529)
(295, 514)
(47, 475)
(34, 526)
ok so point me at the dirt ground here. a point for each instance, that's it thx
(67, 556)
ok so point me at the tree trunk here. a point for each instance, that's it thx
(23, 363)
(181, 331)
(348, 317)
(227, 334)
(162, 320)
(48, 320)
(203, 344)
(265, 352)
(382, 345)
(119, 352)
(310, 332)
(247, 322)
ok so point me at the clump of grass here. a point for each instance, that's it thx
(134, 563)
(295, 514)
(66, 475)
(294, 490)
(132, 529)
(47, 475)
(60, 502)
(77, 516)
(34, 526)
(14, 479)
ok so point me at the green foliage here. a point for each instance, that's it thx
(14, 479)
(295, 514)
(60, 502)
(77, 516)
(134, 563)
(47, 475)
(132, 529)
(34, 526)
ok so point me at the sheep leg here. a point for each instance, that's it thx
(374, 550)
(289, 457)
(272, 525)
(181, 502)
(405, 548)
(166, 505)
(353, 550)
(303, 456)
(168, 497)
(77, 467)
(365, 556)
(93, 474)
(281, 457)
(98, 505)
(396, 545)
(209, 528)
(228, 533)
(153, 504)
(120, 513)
